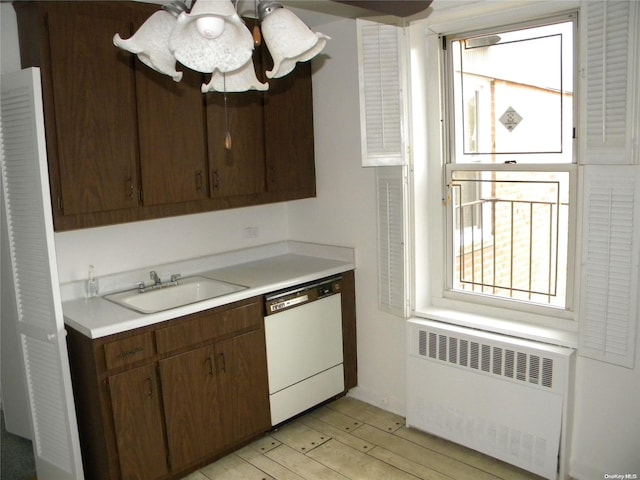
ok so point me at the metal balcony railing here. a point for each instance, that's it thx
(510, 248)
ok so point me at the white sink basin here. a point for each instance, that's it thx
(189, 290)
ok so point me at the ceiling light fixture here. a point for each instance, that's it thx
(211, 38)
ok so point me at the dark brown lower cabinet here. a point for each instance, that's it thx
(138, 424)
(192, 406)
(213, 398)
(158, 402)
(241, 392)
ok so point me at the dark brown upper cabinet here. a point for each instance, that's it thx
(173, 137)
(241, 169)
(126, 143)
(288, 112)
(158, 402)
(90, 107)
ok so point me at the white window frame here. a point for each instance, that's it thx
(430, 297)
(449, 142)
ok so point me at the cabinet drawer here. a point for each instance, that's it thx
(128, 350)
(209, 326)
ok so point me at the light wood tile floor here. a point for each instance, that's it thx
(351, 440)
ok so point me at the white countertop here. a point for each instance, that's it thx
(281, 267)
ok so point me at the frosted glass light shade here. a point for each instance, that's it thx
(289, 41)
(228, 51)
(240, 80)
(151, 44)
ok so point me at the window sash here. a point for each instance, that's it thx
(450, 102)
(451, 245)
(523, 164)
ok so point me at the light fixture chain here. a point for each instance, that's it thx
(227, 137)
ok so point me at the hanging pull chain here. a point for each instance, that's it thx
(227, 137)
(257, 36)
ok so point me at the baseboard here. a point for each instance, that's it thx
(381, 400)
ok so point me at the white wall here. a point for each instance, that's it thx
(9, 54)
(606, 436)
(136, 245)
(345, 214)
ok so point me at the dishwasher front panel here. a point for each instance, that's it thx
(303, 341)
(299, 397)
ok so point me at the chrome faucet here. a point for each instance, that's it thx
(154, 276)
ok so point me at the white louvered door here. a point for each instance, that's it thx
(610, 68)
(384, 113)
(611, 252)
(33, 261)
(383, 94)
(610, 176)
(392, 246)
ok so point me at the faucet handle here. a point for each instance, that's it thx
(154, 276)
(175, 277)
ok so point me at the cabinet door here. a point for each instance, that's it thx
(95, 108)
(190, 394)
(244, 390)
(239, 170)
(137, 418)
(288, 134)
(173, 145)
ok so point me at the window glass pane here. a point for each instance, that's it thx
(510, 234)
(513, 96)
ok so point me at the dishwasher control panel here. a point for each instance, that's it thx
(301, 294)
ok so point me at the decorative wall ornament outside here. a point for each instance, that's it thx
(510, 119)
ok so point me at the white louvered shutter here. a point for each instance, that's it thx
(392, 246)
(609, 302)
(33, 264)
(609, 34)
(383, 95)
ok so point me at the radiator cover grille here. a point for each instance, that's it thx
(509, 362)
(499, 395)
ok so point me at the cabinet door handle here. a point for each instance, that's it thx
(150, 385)
(210, 361)
(216, 180)
(129, 186)
(223, 363)
(128, 353)
(199, 181)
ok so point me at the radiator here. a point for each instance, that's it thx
(502, 396)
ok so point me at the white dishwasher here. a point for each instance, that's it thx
(303, 330)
